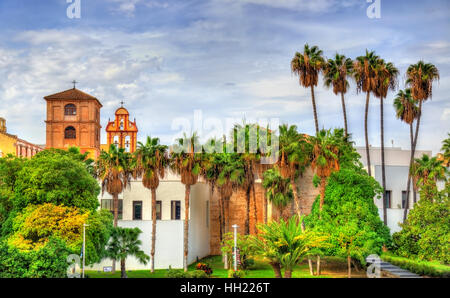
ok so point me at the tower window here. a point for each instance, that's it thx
(70, 110)
(70, 133)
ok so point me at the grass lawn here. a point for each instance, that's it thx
(331, 268)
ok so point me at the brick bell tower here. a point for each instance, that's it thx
(122, 132)
(73, 120)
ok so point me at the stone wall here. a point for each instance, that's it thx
(238, 208)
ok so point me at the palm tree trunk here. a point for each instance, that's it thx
(255, 210)
(123, 272)
(247, 214)
(186, 226)
(349, 267)
(276, 269)
(296, 198)
(265, 209)
(417, 135)
(313, 98)
(408, 186)
(116, 217)
(318, 265)
(288, 273)
(383, 166)
(345, 113)
(323, 184)
(366, 133)
(152, 253)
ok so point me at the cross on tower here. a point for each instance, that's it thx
(74, 82)
(121, 103)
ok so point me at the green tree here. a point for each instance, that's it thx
(387, 80)
(187, 162)
(366, 81)
(10, 167)
(427, 171)
(336, 72)
(124, 243)
(407, 111)
(58, 178)
(307, 66)
(285, 244)
(350, 216)
(278, 190)
(446, 148)
(152, 160)
(115, 169)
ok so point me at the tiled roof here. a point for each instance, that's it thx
(71, 94)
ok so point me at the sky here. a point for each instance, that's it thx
(229, 59)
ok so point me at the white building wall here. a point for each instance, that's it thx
(169, 233)
(397, 167)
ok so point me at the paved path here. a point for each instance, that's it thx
(397, 271)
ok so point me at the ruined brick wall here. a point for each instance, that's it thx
(238, 208)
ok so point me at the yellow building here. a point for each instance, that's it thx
(11, 144)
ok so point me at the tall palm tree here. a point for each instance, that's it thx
(366, 81)
(186, 161)
(387, 75)
(152, 160)
(249, 159)
(407, 111)
(336, 72)
(115, 169)
(420, 78)
(307, 66)
(279, 190)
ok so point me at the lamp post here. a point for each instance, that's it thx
(235, 246)
(84, 245)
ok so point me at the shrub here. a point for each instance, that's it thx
(236, 274)
(418, 267)
(178, 273)
(205, 268)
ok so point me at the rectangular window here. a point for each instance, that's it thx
(175, 210)
(388, 198)
(158, 210)
(403, 199)
(207, 214)
(108, 204)
(137, 210)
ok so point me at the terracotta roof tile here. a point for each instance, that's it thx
(71, 94)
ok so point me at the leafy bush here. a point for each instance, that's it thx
(426, 232)
(244, 247)
(179, 273)
(236, 274)
(205, 268)
(418, 267)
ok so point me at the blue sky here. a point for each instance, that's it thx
(227, 58)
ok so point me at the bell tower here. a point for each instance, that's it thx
(73, 120)
(122, 132)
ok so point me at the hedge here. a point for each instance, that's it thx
(418, 267)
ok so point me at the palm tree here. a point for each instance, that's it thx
(407, 111)
(249, 159)
(366, 81)
(125, 242)
(325, 158)
(307, 66)
(186, 161)
(294, 152)
(427, 171)
(286, 244)
(446, 147)
(336, 72)
(152, 160)
(278, 190)
(420, 78)
(387, 80)
(115, 169)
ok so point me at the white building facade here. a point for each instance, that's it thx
(135, 210)
(397, 167)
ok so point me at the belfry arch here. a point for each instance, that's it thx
(122, 132)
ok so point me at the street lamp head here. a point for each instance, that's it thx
(235, 226)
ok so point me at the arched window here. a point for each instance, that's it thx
(70, 133)
(70, 110)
